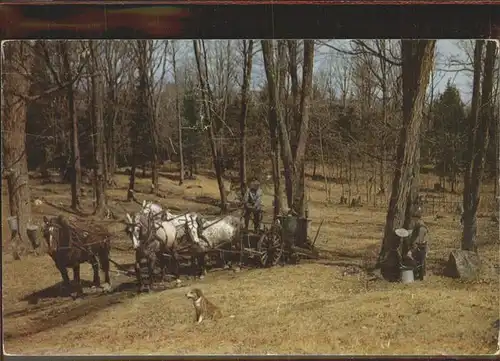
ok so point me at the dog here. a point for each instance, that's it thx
(203, 307)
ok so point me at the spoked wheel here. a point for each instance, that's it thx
(271, 247)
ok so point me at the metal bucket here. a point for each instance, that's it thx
(32, 231)
(407, 275)
(12, 220)
(289, 224)
(301, 231)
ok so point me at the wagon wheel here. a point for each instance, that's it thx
(270, 246)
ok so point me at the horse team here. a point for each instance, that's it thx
(157, 235)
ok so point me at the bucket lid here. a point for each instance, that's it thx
(32, 227)
(402, 232)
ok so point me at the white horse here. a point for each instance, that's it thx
(179, 221)
(165, 215)
(152, 239)
(222, 231)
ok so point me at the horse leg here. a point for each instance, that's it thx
(95, 269)
(194, 264)
(221, 261)
(138, 272)
(163, 266)
(201, 265)
(77, 280)
(151, 267)
(105, 265)
(138, 276)
(176, 266)
(64, 274)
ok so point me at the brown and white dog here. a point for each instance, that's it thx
(203, 307)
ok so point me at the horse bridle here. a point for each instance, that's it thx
(151, 228)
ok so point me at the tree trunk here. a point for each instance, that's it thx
(417, 62)
(76, 170)
(97, 114)
(131, 182)
(382, 140)
(110, 138)
(292, 69)
(273, 69)
(247, 74)
(152, 118)
(208, 113)
(179, 117)
(18, 59)
(325, 176)
(303, 128)
(469, 219)
(273, 115)
(480, 121)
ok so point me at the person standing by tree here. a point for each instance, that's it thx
(252, 202)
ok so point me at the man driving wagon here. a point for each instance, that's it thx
(252, 203)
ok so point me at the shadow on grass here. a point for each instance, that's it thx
(438, 267)
(338, 255)
(46, 317)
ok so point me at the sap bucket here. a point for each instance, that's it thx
(32, 231)
(407, 275)
(12, 220)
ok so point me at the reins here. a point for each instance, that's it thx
(74, 240)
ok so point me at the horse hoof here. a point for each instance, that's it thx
(202, 277)
(226, 267)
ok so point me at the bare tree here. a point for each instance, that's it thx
(75, 165)
(114, 55)
(303, 127)
(247, 53)
(17, 61)
(271, 65)
(481, 116)
(98, 123)
(418, 58)
(141, 116)
(293, 151)
(178, 113)
(208, 111)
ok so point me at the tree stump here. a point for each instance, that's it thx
(463, 264)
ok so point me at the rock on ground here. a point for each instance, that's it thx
(463, 264)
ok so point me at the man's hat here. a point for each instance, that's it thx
(254, 184)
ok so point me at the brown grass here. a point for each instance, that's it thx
(304, 309)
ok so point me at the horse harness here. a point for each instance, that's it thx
(74, 241)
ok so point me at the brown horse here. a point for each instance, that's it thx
(70, 246)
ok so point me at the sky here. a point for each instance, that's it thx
(445, 49)
(462, 80)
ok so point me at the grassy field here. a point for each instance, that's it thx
(314, 307)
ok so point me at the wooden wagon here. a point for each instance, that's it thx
(285, 241)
